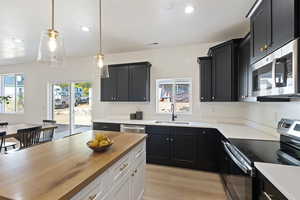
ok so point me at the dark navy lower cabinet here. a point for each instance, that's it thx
(193, 148)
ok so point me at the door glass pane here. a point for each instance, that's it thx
(9, 90)
(82, 106)
(182, 97)
(165, 94)
(61, 111)
(20, 93)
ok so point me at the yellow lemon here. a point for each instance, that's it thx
(103, 143)
(94, 143)
(100, 137)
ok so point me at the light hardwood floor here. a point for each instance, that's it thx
(168, 183)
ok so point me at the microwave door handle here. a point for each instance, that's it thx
(244, 168)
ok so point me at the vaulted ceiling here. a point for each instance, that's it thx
(128, 25)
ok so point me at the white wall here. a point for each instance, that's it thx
(166, 63)
(180, 62)
(37, 77)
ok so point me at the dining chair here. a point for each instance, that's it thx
(47, 135)
(2, 139)
(29, 136)
(6, 144)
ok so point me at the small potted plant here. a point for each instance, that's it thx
(5, 99)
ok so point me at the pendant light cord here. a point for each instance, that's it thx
(52, 18)
(100, 26)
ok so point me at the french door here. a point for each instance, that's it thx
(70, 106)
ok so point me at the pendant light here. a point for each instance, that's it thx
(100, 57)
(51, 49)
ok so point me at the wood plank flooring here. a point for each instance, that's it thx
(168, 183)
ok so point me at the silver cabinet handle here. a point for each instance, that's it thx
(269, 197)
(172, 139)
(123, 167)
(167, 139)
(213, 98)
(202, 97)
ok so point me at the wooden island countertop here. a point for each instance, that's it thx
(59, 169)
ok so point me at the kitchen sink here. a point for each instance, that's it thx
(171, 122)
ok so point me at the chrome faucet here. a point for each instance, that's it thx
(173, 112)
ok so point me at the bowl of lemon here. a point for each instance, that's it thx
(100, 143)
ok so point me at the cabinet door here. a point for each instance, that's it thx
(122, 83)
(283, 22)
(244, 67)
(208, 141)
(158, 148)
(205, 78)
(122, 191)
(139, 83)
(138, 181)
(109, 86)
(184, 147)
(261, 30)
(222, 74)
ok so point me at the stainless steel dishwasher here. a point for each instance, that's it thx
(129, 128)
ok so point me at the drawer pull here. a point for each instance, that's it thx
(92, 197)
(124, 166)
(138, 154)
(269, 197)
(132, 174)
(135, 171)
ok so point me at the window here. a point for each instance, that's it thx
(12, 85)
(174, 91)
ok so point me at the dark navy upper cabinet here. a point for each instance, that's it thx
(224, 71)
(244, 69)
(261, 30)
(127, 82)
(284, 28)
(205, 78)
(273, 24)
(139, 82)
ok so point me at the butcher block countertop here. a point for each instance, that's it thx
(59, 169)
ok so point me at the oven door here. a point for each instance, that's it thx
(239, 177)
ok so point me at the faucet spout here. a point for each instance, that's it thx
(173, 112)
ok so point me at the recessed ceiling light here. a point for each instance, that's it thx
(85, 29)
(189, 9)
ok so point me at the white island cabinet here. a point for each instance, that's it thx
(124, 180)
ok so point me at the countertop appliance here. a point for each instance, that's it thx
(276, 75)
(129, 128)
(240, 155)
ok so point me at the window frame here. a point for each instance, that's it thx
(2, 93)
(174, 81)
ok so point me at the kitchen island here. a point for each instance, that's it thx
(68, 169)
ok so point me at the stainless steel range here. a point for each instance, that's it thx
(241, 154)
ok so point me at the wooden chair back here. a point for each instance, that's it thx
(3, 124)
(29, 136)
(48, 134)
(2, 139)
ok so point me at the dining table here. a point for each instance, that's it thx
(12, 129)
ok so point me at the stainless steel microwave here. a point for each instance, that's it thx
(277, 74)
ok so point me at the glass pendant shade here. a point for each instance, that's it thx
(103, 68)
(51, 48)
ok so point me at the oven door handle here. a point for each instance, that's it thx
(245, 168)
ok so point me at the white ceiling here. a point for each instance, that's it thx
(128, 25)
